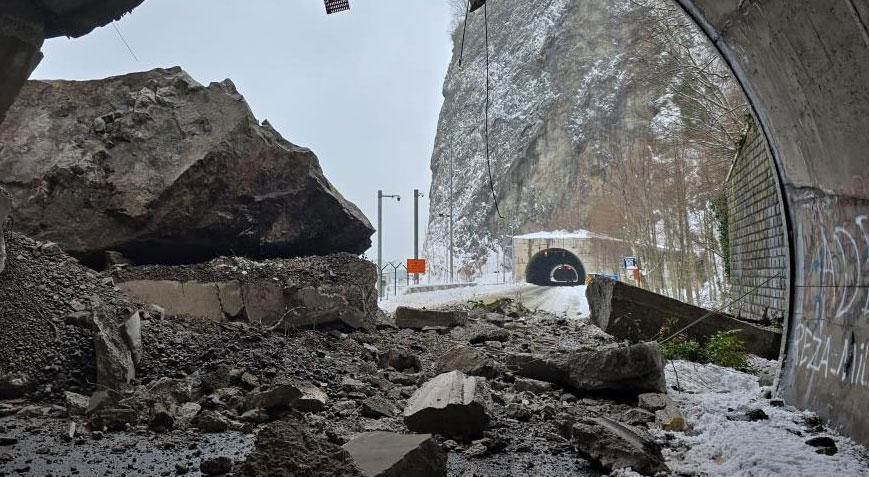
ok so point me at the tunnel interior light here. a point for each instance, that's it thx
(335, 6)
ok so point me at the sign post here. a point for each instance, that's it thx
(633, 265)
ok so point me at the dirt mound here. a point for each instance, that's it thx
(290, 448)
(41, 290)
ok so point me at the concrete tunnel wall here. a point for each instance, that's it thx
(804, 67)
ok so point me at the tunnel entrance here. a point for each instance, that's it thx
(555, 267)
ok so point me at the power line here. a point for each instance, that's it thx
(124, 40)
(488, 162)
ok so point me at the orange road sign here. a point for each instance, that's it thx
(416, 265)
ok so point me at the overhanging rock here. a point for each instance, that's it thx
(634, 314)
(292, 293)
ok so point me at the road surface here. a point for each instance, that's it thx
(567, 301)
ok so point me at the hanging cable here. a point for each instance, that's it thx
(464, 29)
(124, 40)
(488, 162)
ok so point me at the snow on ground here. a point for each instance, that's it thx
(562, 301)
(718, 446)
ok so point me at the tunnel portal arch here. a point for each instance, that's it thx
(555, 267)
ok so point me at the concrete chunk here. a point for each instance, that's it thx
(387, 454)
(451, 404)
(418, 319)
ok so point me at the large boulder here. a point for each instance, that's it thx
(162, 169)
(631, 369)
(451, 404)
(387, 454)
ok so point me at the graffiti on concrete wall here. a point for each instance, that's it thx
(830, 346)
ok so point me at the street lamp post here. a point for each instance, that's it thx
(380, 196)
(416, 195)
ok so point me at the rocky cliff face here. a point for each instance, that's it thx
(563, 102)
(165, 170)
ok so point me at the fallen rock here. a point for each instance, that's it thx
(824, 445)
(387, 454)
(212, 422)
(532, 385)
(76, 404)
(377, 407)
(467, 360)
(115, 365)
(418, 319)
(451, 404)
(633, 369)
(172, 171)
(637, 315)
(667, 413)
(280, 396)
(615, 445)
(313, 399)
(216, 466)
(162, 419)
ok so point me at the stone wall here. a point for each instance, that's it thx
(758, 240)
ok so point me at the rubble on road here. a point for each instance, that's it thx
(468, 360)
(40, 290)
(667, 413)
(388, 454)
(406, 317)
(452, 404)
(635, 314)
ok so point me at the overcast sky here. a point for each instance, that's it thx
(362, 89)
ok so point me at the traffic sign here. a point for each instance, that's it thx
(631, 263)
(416, 265)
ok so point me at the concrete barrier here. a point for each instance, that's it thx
(634, 314)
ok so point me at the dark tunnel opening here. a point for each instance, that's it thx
(555, 267)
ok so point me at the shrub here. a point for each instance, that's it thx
(723, 349)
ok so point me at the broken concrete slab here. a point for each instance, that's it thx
(468, 360)
(451, 404)
(615, 445)
(387, 454)
(634, 314)
(631, 369)
(284, 293)
(414, 318)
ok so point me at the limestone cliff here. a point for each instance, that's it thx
(564, 100)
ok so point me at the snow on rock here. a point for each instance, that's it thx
(773, 447)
